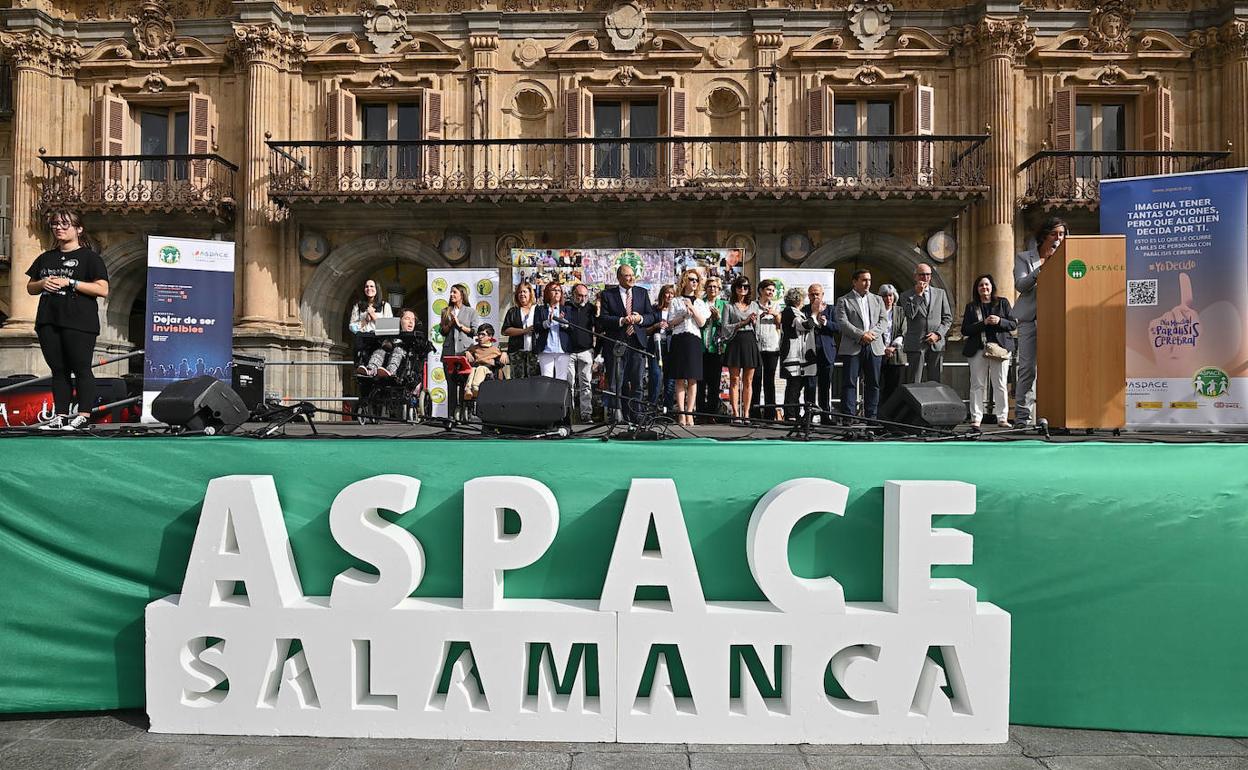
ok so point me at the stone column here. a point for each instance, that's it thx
(997, 43)
(268, 53)
(39, 60)
(1233, 37)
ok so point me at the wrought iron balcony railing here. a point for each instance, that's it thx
(1072, 178)
(636, 168)
(143, 183)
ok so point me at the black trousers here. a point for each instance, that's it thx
(765, 385)
(708, 390)
(69, 351)
(795, 388)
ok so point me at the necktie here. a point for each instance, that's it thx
(628, 310)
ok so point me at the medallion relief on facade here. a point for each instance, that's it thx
(626, 26)
(1109, 26)
(154, 32)
(385, 26)
(869, 22)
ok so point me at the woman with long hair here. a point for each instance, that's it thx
(459, 325)
(365, 312)
(519, 331)
(986, 327)
(742, 356)
(69, 279)
(712, 350)
(662, 387)
(683, 363)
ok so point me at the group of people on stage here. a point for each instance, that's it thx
(680, 344)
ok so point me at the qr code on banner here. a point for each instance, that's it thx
(1142, 293)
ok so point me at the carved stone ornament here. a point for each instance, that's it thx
(724, 50)
(268, 44)
(154, 83)
(1109, 26)
(385, 77)
(626, 26)
(993, 36)
(869, 22)
(154, 33)
(37, 50)
(385, 26)
(529, 52)
(868, 75)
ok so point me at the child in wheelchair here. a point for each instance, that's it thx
(486, 358)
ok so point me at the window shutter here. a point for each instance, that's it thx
(677, 127)
(202, 119)
(578, 110)
(1157, 126)
(431, 119)
(109, 124)
(340, 126)
(917, 119)
(819, 113)
(1064, 140)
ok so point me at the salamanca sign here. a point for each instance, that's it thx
(242, 651)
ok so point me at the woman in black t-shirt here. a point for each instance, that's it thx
(68, 279)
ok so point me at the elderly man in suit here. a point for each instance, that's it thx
(826, 332)
(860, 315)
(928, 317)
(626, 312)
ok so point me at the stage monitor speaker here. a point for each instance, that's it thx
(200, 404)
(248, 380)
(925, 405)
(525, 404)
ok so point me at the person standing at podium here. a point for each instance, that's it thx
(1027, 267)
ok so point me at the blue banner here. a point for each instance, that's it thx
(190, 313)
(1187, 295)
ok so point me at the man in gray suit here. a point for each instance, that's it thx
(928, 317)
(860, 314)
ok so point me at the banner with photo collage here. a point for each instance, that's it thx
(786, 278)
(1187, 296)
(482, 296)
(596, 267)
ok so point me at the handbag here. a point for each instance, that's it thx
(991, 349)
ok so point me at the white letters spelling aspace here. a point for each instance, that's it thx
(242, 651)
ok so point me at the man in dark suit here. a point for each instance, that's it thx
(826, 331)
(860, 314)
(928, 318)
(626, 312)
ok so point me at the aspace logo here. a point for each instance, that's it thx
(1076, 269)
(1211, 382)
(169, 255)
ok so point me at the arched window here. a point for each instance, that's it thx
(726, 115)
(531, 160)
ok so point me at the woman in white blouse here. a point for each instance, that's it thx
(687, 315)
(768, 330)
(364, 314)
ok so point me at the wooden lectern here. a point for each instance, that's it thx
(1081, 322)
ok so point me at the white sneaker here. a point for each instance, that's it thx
(56, 423)
(77, 422)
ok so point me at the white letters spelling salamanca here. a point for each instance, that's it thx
(242, 650)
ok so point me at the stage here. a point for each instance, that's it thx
(1120, 559)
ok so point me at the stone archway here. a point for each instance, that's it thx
(635, 242)
(127, 281)
(322, 308)
(898, 255)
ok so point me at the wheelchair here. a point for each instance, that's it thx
(402, 397)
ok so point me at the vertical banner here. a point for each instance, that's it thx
(1187, 296)
(787, 278)
(190, 313)
(482, 296)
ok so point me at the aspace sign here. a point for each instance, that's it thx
(243, 651)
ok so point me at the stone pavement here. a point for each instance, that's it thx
(119, 740)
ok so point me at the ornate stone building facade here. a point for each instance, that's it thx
(336, 140)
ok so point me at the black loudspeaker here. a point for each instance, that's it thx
(528, 403)
(248, 380)
(925, 404)
(200, 404)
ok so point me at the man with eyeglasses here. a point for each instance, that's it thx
(928, 317)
